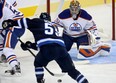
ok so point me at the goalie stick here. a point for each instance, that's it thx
(51, 73)
(92, 37)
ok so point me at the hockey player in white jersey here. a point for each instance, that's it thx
(2, 56)
(77, 23)
(12, 2)
(7, 11)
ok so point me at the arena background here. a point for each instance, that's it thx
(29, 7)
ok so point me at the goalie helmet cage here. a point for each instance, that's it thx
(113, 16)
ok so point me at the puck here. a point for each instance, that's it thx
(59, 80)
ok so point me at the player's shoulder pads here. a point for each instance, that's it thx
(85, 15)
(65, 14)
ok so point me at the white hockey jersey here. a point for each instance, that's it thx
(7, 11)
(12, 2)
(78, 27)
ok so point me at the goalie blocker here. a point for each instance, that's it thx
(89, 52)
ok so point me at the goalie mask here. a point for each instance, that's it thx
(45, 16)
(74, 8)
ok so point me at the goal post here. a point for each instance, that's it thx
(113, 21)
(58, 9)
(48, 6)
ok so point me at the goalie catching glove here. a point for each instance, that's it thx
(8, 23)
(28, 45)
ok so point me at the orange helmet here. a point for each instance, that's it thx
(74, 8)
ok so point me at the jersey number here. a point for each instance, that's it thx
(50, 31)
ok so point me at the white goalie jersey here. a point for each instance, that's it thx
(78, 27)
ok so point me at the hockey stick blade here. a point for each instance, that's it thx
(57, 75)
(54, 74)
(82, 62)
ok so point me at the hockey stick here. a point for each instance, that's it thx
(53, 74)
(57, 75)
(92, 37)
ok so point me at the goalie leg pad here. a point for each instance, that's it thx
(87, 52)
(105, 49)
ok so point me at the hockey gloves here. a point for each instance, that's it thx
(8, 23)
(28, 45)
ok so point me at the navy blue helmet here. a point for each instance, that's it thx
(45, 16)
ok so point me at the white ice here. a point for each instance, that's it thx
(101, 73)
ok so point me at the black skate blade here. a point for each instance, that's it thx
(8, 73)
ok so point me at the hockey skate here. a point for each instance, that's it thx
(85, 81)
(41, 81)
(14, 71)
(3, 61)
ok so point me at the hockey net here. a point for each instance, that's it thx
(101, 11)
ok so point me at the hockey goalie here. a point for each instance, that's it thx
(77, 24)
(95, 49)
